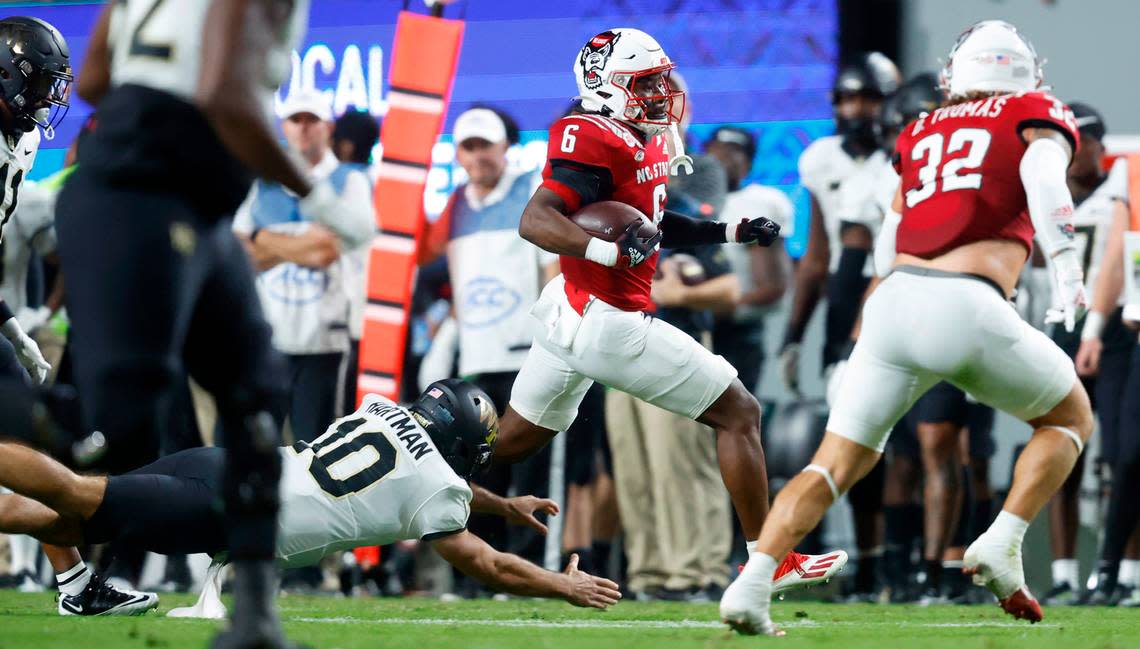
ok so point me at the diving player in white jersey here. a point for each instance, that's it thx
(380, 475)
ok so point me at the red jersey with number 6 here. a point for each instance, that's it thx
(592, 158)
(959, 168)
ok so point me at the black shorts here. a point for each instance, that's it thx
(171, 506)
(944, 402)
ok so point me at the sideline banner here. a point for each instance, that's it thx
(424, 59)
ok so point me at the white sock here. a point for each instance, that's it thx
(751, 546)
(1008, 527)
(1066, 571)
(761, 563)
(25, 551)
(1129, 574)
(74, 580)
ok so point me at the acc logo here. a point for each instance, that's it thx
(295, 285)
(594, 57)
(486, 301)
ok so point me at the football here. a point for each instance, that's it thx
(688, 266)
(607, 220)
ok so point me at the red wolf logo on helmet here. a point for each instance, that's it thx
(594, 57)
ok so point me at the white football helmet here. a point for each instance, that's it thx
(992, 56)
(607, 70)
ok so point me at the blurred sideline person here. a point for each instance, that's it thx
(495, 278)
(1094, 198)
(839, 172)
(303, 283)
(416, 488)
(169, 288)
(1110, 350)
(353, 139)
(943, 313)
(762, 272)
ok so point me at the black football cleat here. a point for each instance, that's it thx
(101, 598)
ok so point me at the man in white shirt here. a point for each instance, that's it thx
(301, 281)
(495, 277)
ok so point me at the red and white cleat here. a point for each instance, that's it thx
(997, 566)
(807, 569)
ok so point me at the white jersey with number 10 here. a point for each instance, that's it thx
(373, 478)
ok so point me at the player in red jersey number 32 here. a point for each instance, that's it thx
(980, 177)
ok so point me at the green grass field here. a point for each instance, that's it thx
(29, 621)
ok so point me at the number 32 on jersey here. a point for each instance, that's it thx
(955, 173)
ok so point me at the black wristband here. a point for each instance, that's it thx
(5, 312)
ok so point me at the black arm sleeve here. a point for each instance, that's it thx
(679, 231)
(592, 183)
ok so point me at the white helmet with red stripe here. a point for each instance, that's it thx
(992, 56)
(607, 70)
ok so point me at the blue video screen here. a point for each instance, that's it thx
(765, 65)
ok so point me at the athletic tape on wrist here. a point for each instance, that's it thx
(1094, 325)
(815, 468)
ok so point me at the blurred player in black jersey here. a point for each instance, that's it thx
(157, 283)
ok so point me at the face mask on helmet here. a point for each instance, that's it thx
(35, 79)
(462, 423)
(624, 73)
(871, 78)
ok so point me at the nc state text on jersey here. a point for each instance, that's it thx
(405, 429)
(652, 172)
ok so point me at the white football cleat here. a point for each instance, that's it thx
(745, 604)
(997, 565)
(807, 569)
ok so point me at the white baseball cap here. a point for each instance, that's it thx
(480, 123)
(307, 100)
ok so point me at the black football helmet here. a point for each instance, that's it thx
(462, 423)
(872, 75)
(918, 95)
(35, 73)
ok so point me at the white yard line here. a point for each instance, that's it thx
(649, 624)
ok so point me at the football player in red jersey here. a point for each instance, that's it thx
(622, 146)
(980, 177)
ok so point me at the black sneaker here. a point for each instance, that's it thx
(1061, 594)
(1106, 592)
(101, 598)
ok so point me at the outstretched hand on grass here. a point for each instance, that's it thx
(587, 590)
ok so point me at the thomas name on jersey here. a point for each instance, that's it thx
(406, 430)
(989, 107)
